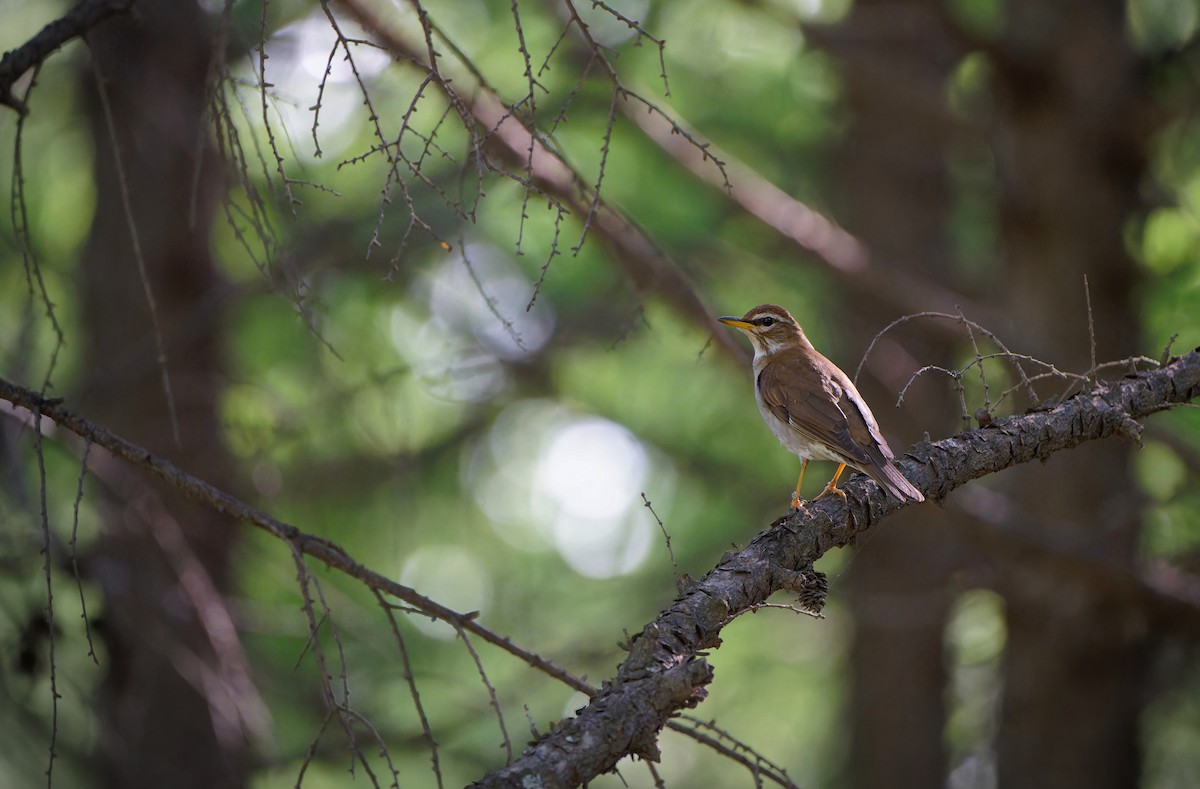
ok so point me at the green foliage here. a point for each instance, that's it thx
(980, 17)
(1163, 24)
(975, 639)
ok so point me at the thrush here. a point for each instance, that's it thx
(812, 407)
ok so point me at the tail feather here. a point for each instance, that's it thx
(891, 480)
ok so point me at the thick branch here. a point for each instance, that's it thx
(665, 671)
(33, 52)
(781, 557)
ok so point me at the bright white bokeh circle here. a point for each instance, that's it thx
(548, 477)
(592, 468)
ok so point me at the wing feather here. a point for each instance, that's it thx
(816, 413)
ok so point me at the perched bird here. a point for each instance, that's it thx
(812, 407)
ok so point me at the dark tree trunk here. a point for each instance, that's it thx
(1071, 158)
(894, 190)
(1068, 139)
(167, 712)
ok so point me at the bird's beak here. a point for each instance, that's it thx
(736, 323)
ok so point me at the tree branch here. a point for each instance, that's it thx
(644, 263)
(665, 670)
(781, 558)
(80, 19)
(845, 256)
(333, 555)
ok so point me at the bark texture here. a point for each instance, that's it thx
(781, 558)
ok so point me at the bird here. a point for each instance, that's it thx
(812, 407)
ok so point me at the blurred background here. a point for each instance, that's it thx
(380, 323)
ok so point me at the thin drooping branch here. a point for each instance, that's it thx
(326, 551)
(665, 670)
(648, 267)
(74, 23)
(844, 255)
(781, 558)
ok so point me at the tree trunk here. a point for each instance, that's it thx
(1071, 160)
(894, 189)
(1068, 142)
(164, 706)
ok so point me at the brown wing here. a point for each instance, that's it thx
(866, 434)
(862, 425)
(817, 412)
(831, 411)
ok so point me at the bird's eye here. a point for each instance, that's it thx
(767, 321)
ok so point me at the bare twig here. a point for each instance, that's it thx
(785, 607)
(970, 325)
(491, 691)
(326, 551)
(493, 308)
(647, 267)
(19, 216)
(1087, 294)
(987, 396)
(666, 537)
(47, 563)
(87, 625)
(335, 706)
(426, 729)
(33, 53)
(759, 766)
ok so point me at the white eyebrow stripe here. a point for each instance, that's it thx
(779, 318)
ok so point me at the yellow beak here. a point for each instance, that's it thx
(736, 323)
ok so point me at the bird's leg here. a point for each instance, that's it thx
(832, 486)
(796, 496)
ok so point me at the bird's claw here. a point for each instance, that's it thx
(841, 494)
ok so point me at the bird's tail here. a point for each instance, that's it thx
(891, 480)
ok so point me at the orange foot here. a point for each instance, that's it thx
(832, 486)
(835, 490)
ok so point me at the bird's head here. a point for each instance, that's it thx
(770, 328)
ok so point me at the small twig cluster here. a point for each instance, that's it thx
(1017, 362)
